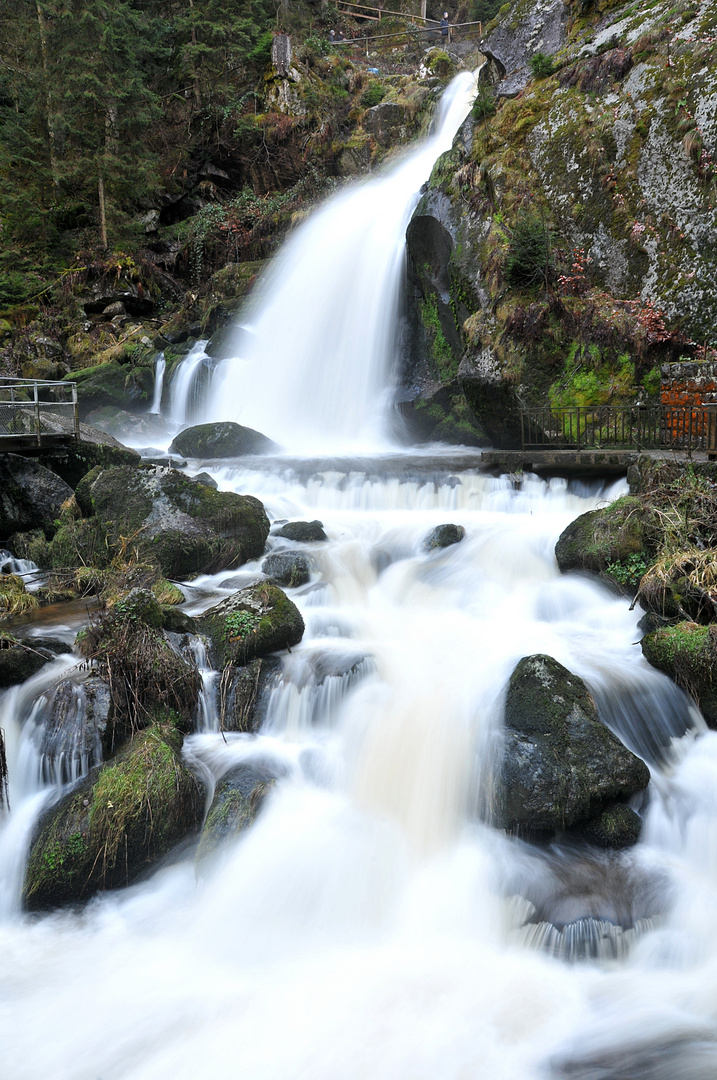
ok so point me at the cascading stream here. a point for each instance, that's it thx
(369, 924)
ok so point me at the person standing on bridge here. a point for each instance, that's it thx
(445, 29)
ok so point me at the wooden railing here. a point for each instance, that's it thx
(37, 412)
(375, 14)
(636, 427)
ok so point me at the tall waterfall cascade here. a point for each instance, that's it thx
(313, 366)
(370, 924)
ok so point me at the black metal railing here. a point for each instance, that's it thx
(636, 427)
(37, 411)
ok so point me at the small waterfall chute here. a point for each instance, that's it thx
(159, 368)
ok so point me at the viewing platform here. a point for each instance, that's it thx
(37, 415)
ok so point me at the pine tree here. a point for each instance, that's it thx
(103, 55)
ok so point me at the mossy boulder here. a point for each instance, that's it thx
(31, 497)
(561, 766)
(609, 541)
(220, 440)
(687, 653)
(305, 532)
(115, 825)
(443, 536)
(288, 568)
(184, 527)
(32, 545)
(103, 384)
(254, 621)
(238, 798)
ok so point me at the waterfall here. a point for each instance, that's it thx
(183, 398)
(159, 366)
(370, 923)
(313, 368)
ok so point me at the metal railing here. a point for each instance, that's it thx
(636, 427)
(37, 411)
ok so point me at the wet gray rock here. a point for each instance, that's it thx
(532, 27)
(304, 531)
(560, 766)
(288, 568)
(31, 496)
(388, 122)
(238, 798)
(19, 661)
(244, 705)
(443, 536)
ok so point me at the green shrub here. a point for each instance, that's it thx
(529, 261)
(261, 53)
(541, 65)
(372, 95)
(484, 105)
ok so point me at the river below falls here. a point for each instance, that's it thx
(369, 926)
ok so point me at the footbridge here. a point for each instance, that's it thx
(37, 415)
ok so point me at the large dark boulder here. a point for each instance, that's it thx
(115, 825)
(182, 526)
(561, 766)
(31, 496)
(104, 384)
(238, 798)
(220, 440)
(254, 621)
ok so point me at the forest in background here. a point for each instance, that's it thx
(119, 115)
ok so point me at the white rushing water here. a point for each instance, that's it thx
(332, 296)
(370, 925)
(159, 367)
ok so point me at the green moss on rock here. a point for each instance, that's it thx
(257, 620)
(115, 825)
(688, 654)
(608, 537)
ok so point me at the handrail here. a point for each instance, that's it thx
(640, 427)
(32, 414)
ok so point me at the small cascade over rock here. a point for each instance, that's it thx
(159, 367)
(186, 385)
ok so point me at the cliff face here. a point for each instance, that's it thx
(568, 243)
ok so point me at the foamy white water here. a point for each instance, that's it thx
(332, 295)
(369, 925)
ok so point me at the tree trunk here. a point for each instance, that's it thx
(42, 29)
(103, 213)
(195, 76)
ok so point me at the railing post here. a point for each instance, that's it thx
(37, 416)
(522, 430)
(578, 412)
(76, 410)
